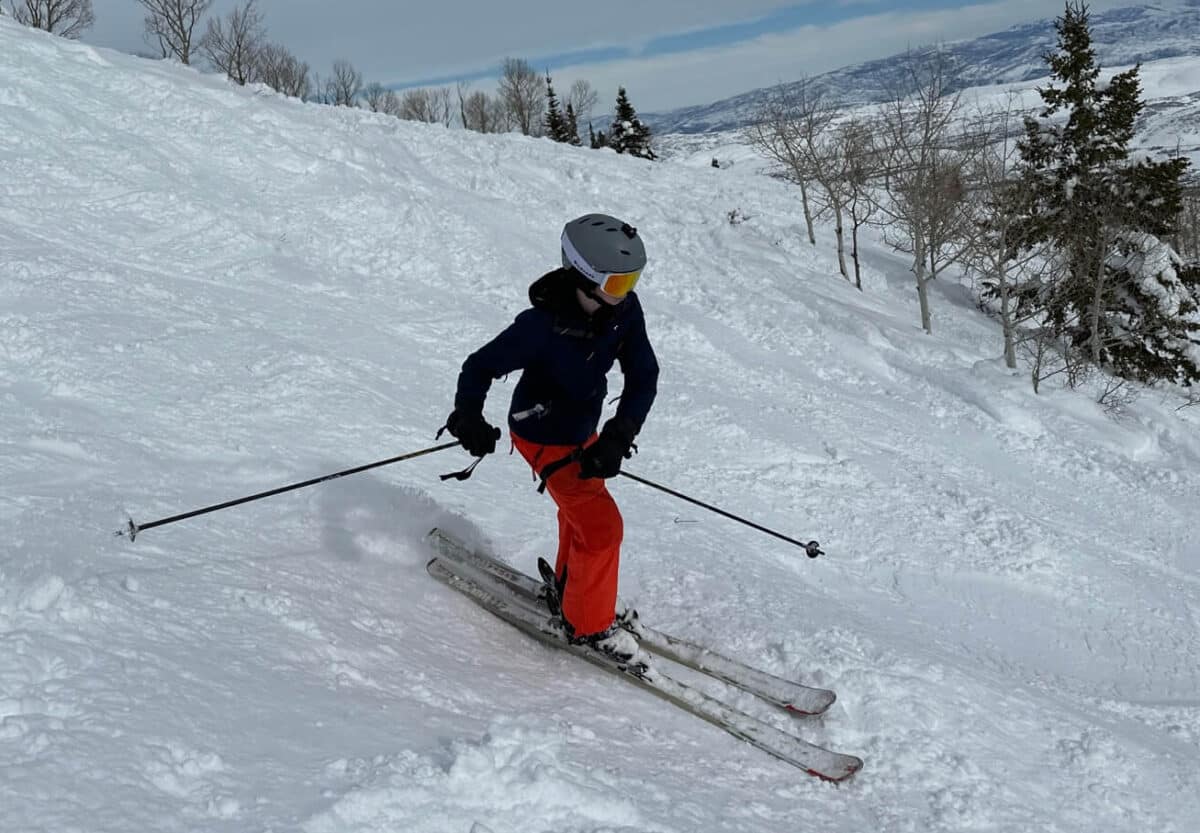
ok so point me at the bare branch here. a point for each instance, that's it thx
(68, 18)
(582, 97)
(232, 45)
(523, 94)
(482, 113)
(343, 87)
(280, 70)
(923, 174)
(171, 23)
(789, 119)
(428, 106)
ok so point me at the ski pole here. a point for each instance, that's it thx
(134, 529)
(811, 548)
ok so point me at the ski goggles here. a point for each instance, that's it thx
(619, 285)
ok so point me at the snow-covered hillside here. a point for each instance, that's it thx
(207, 291)
(1140, 33)
(1169, 124)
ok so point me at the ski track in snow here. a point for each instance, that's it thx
(208, 291)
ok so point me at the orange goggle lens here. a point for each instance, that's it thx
(619, 285)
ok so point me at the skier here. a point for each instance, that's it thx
(584, 317)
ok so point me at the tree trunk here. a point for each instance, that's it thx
(854, 257)
(1006, 322)
(808, 217)
(922, 287)
(841, 239)
(1038, 355)
(1096, 313)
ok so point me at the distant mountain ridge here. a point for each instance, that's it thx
(1121, 37)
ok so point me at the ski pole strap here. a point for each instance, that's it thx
(552, 468)
(465, 473)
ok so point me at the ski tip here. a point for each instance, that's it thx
(802, 711)
(812, 709)
(849, 768)
(845, 774)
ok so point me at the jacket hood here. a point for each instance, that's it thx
(554, 292)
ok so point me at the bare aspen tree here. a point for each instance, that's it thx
(418, 105)
(379, 99)
(481, 113)
(582, 97)
(415, 105)
(443, 106)
(461, 89)
(343, 87)
(1004, 269)
(502, 117)
(778, 129)
(391, 104)
(922, 177)
(280, 70)
(829, 162)
(67, 18)
(861, 165)
(172, 24)
(232, 45)
(425, 105)
(524, 95)
(373, 96)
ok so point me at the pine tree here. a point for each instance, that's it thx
(556, 127)
(1118, 297)
(628, 134)
(598, 140)
(571, 137)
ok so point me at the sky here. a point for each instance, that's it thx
(668, 53)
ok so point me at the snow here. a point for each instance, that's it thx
(208, 291)
(1169, 125)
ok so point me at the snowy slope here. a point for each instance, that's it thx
(207, 291)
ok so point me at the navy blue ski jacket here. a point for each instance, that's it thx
(564, 357)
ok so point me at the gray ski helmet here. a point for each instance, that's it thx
(606, 251)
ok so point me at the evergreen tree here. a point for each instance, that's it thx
(571, 137)
(1118, 297)
(598, 140)
(628, 134)
(556, 126)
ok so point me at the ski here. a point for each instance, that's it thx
(794, 697)
(506, 603)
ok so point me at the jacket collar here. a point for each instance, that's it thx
(554, 292)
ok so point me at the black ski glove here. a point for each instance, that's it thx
(473, 431)
(603, 457)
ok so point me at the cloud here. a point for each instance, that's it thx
(408, 44)
(659, 83)
(398, 40)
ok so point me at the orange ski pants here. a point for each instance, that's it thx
(589, 538)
